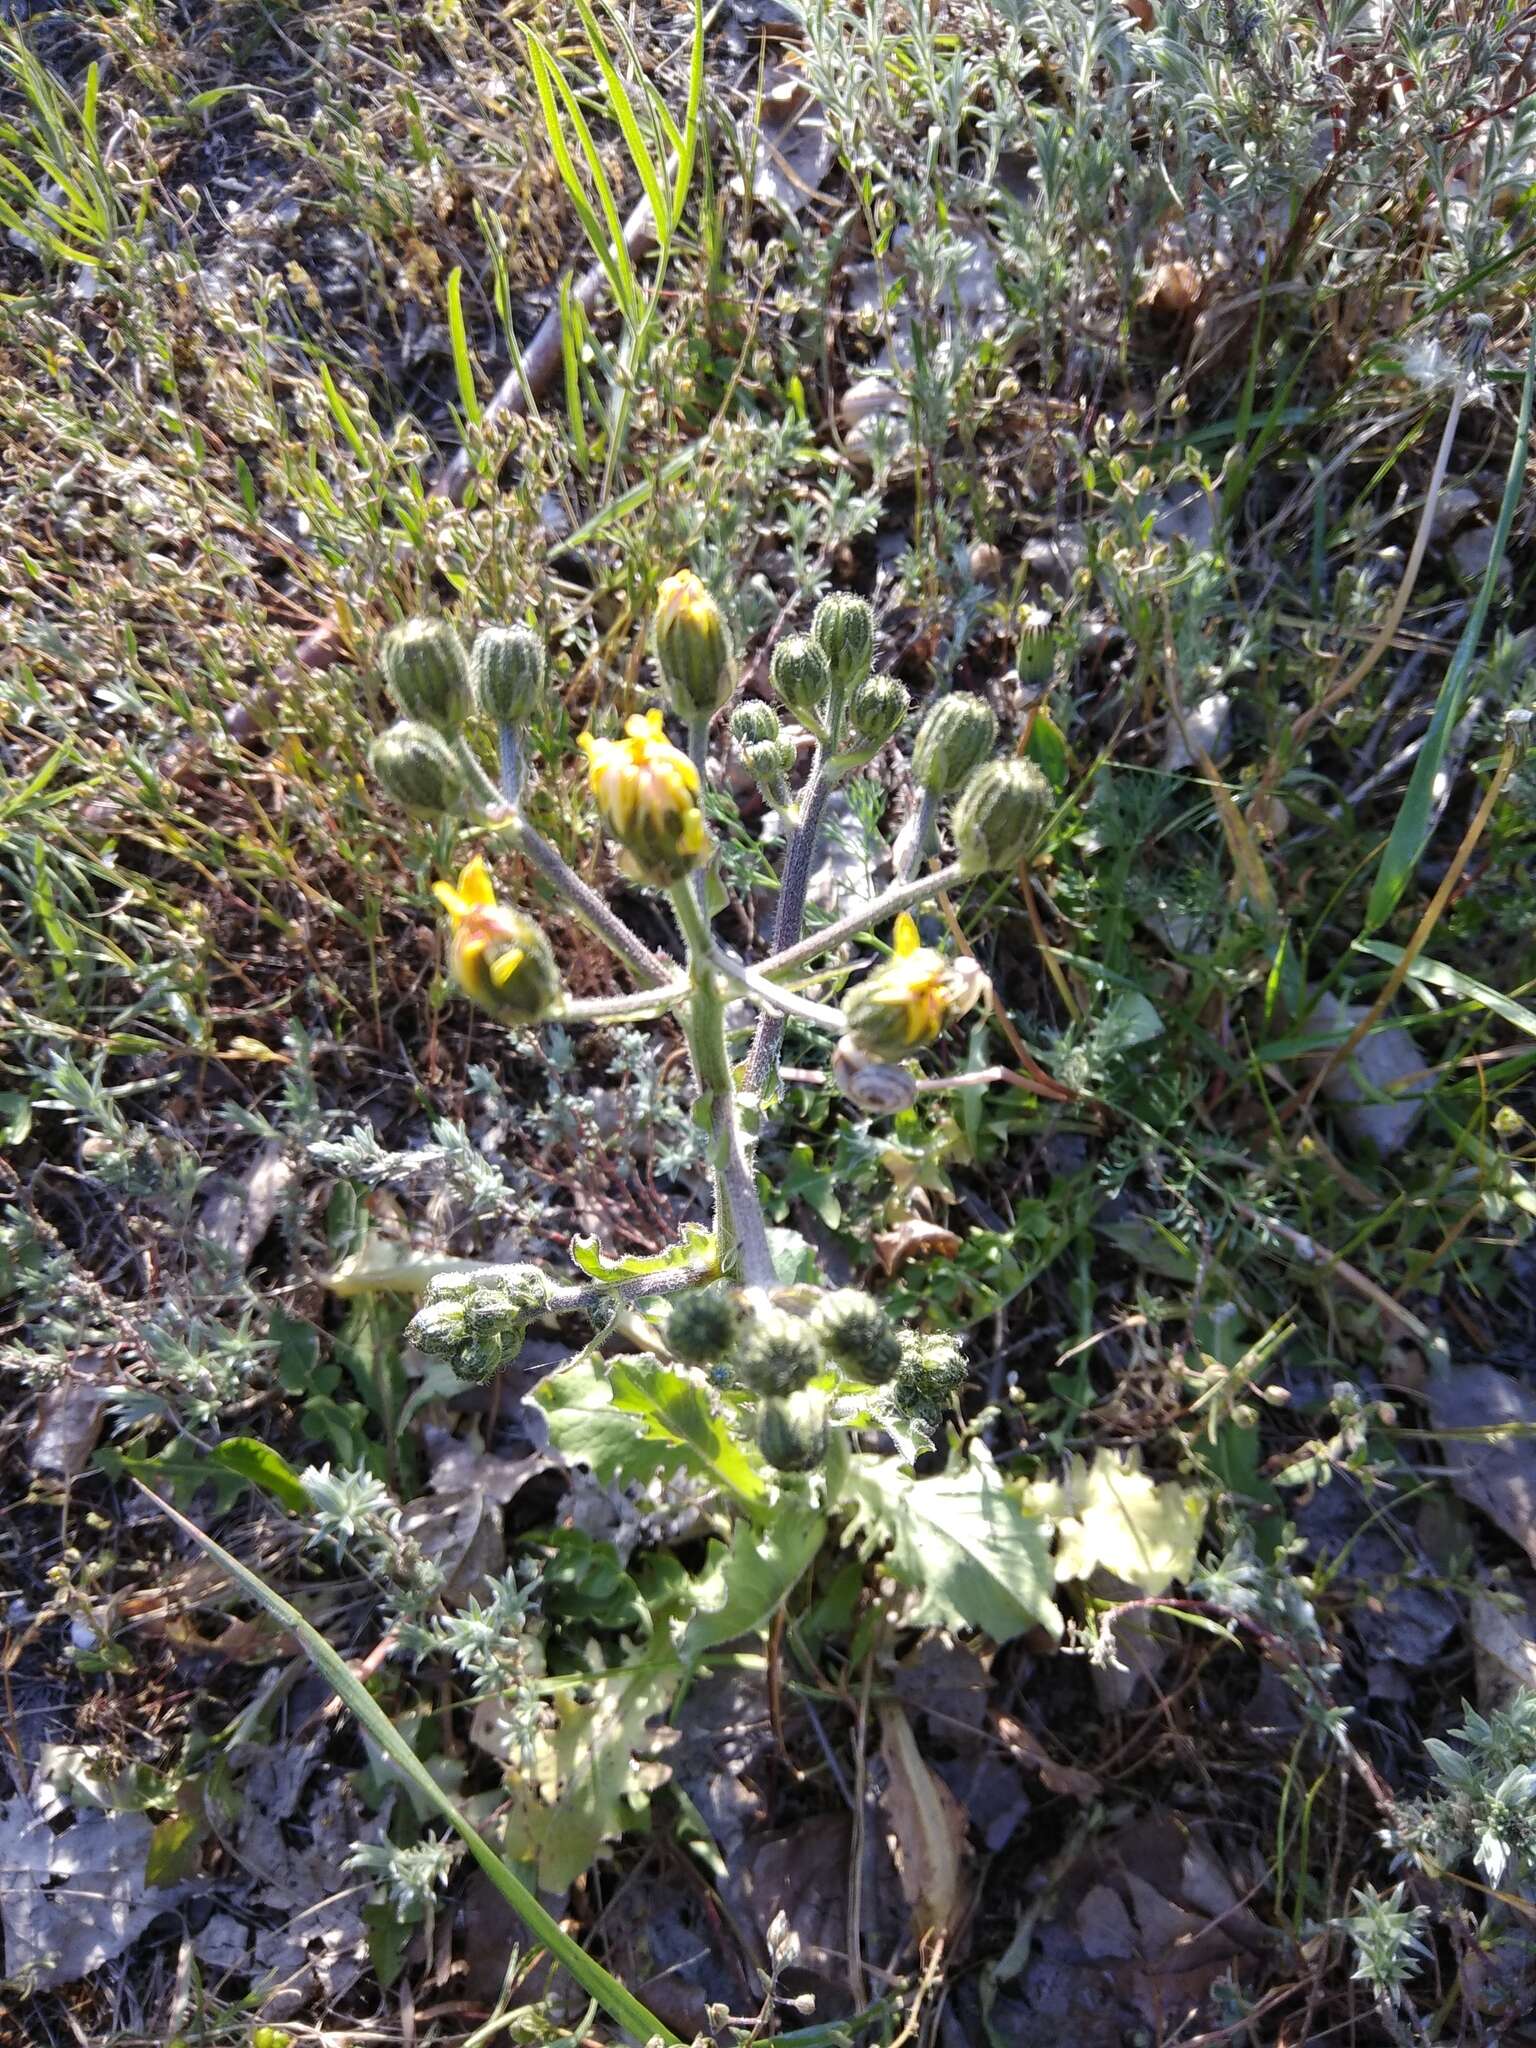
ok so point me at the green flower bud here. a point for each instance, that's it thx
(792, 1431)
(999, 816)
(800, 674)
(507, 666)
(701, 1326)
(877, 710)
(844, 629)
(424, 668)
(859, 1336)
(770, 760)
(953, 740)
(271, 2037)
(775, 1352)
(693, 646)
(931, 1373)
(476, 1322)
(754, 721)
(418, 768)
(1038, 641)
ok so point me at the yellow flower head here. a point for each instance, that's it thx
(906, 1002)
(693, 646)
(646, 793)
(497, 957)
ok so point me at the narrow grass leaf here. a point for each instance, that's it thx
(620, 2005)
(1450, 981)
(463, 363)
(1411, 829)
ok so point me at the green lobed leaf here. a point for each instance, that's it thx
(745, 1582)
(638, 1419)
(696, 1247)
(960, 1540)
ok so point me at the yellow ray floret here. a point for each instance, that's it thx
(646, 792)
(499, 958)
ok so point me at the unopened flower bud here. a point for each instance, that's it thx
(953, 740)
(800, 674)
(769, 760)
(858, 1335)
(931, 1373)
(476, 1322)
(876, 711)
(905, 1003)
(1038, 641)
(418, 768)
(844, 629)
(701, 1326)
(999, 816)
(647, 794)
(754, 721)
(775, 1352)
(693, 646)
(792, 1431)
(498, 957)
(507, 665)
(423, 666)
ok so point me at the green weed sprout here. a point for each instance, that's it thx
(786, 1350)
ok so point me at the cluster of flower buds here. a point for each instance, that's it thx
(436, 687)
(774, 1345)
(477, 1321)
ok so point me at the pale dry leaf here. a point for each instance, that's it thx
(1488, 1425)
(69, 1418)
(1503, 1627)
(1026, 1748)
(1112, 1516)
(929, 1827)
(913, 1239)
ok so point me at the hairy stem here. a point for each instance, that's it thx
(739, 1211)
(799, 859)
(648, 968)
(922, 837)
(864, 919)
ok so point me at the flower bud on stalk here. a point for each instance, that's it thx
(424, 668)
(931, 1373)
(792, 1431)
(418, 768)
(1038, 641)
(953, 740)
(844, 629)
(875, 714)
(858, 1335)
(476, 1322)
(907, 1001)
(800, 674)
(702, 1326)
(647, 793)
(497, 957)
(754, 721)
(775, 1352)
(507, 667)
(770, 761)
(693, 646)
(999, 816)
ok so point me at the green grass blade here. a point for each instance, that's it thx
(608, 247)
(343, 417)
(1410, 830)
(463, 364)
(1450, 981)
(571, 322)
(619, 2004)
(624, 114)
(688, 145)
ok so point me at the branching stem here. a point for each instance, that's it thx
(864, 919)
